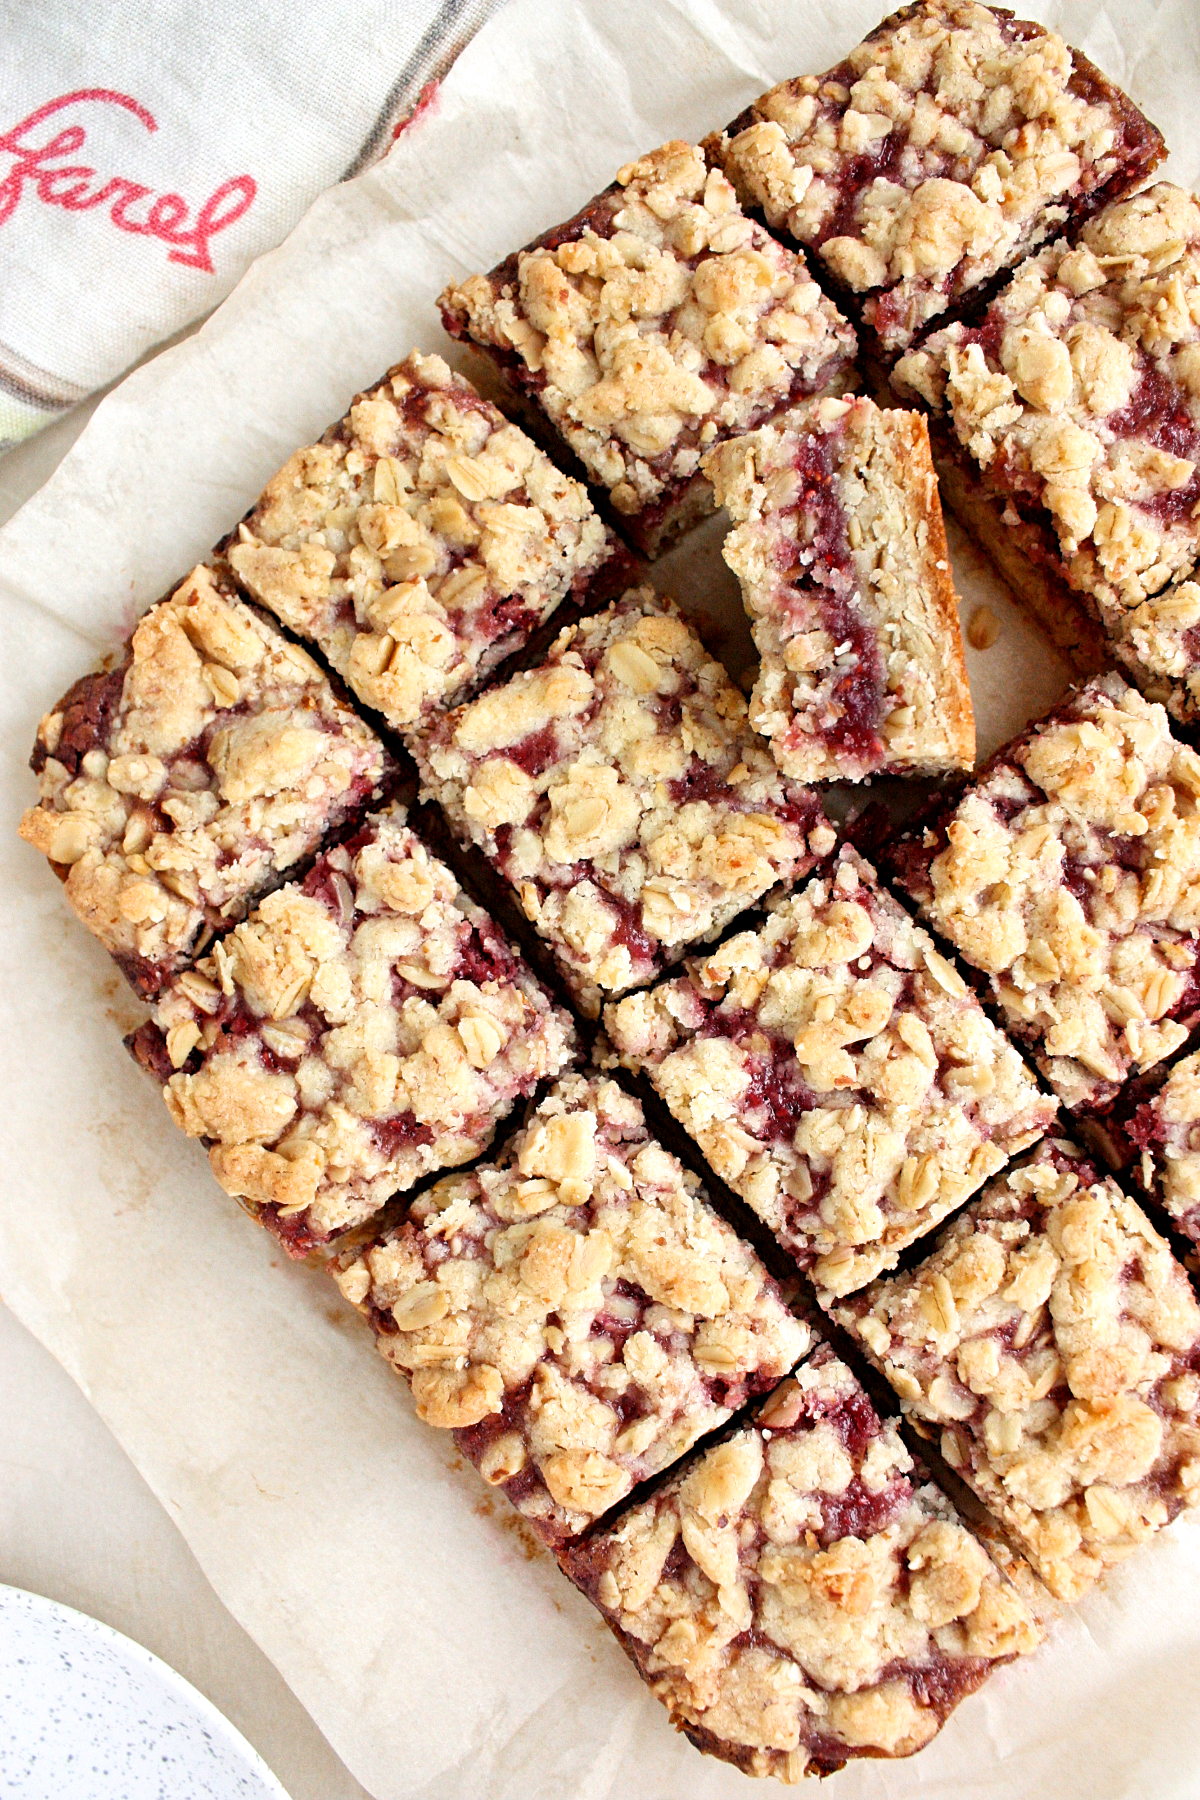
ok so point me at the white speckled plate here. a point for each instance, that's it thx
(88, 1715)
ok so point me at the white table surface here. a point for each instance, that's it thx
(78, 1523)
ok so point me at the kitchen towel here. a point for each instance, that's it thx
(150, 149)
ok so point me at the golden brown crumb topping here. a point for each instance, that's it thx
(419, 542)
(621, 791)
(577, 1314)
(1168, 1129)
(183, 784)
(356, 1032)
(1069, 874)
(1054, 1343)
(794, 1599)
(948, 144)
(1078, 396)
(658, 321)
(837, 1073)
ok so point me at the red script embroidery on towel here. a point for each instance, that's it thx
(76, 188)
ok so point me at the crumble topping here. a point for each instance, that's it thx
(420, 542)
(794, 1598)
(621, 791)
(575, 1313)
(1054, 1343)
(357, 1031)
(1068, 874)
(1079, 398)
(949, 143)
(837, 1073)
(1167, 1131)
(655, 322)
(180, 785)
(840, 551)
(1160, 645)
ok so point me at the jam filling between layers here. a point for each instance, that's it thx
(818, 573)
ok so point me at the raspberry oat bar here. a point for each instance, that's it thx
(1068, 425)
(621, 791)
(954, 140)
(1054, 1344)
(419, 543)
(182, 784)
(841, 554)
(575, 1313)
(795, 1598)
(1068, 876)
(358, 1031)
(656, 322)
(837, 1073)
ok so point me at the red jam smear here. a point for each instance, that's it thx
(484, 956)
(401, 1132)
(827, 573)
(505, 616)
(536, 752)
(1158, 413)
(88, 709)
(853, 176)
(700, 781)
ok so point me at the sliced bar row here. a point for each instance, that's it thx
(578, 1317)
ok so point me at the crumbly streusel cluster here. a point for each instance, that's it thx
(357, 1031)
(420, 542)
(655, 323)
(575, 1313)
(795, 1598)
(1078, 393)
(186, 781)
(951, 142)
(1068, 875)
(837, 1072)
(622, 793)
(1166, 1130)
(1053, 1344)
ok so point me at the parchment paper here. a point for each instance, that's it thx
(437, 1648)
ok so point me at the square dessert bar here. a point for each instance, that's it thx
(182, 784)
(1068, 876)
(1159, 1130)
(359, 1030)
(575, 1313)
(1068, 421)
(799, 1595)
(1054, 1344)
(654, 323)
(839, 546)
(954, 140)
(621, 791)
(419, 543)
(837, 1073)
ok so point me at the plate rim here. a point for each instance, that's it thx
(85, 1626)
